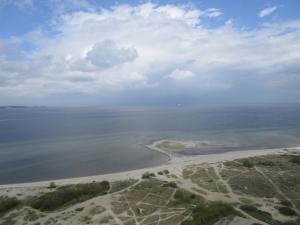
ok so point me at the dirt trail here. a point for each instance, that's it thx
(275, 186)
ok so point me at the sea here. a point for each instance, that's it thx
(47, 143)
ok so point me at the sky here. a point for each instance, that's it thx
(100, 52)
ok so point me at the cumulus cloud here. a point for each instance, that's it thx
(148, 49)
(267, 11)
(106, 54)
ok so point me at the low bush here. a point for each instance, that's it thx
(52, 185)
(285, 202)
(260, 215)
(208, 214)
(295, 159)
(166, 172)
(248, 163)
(294, 222)
(287, 211)
(185, 197)
(171, 184)
(7, 204)
(67, 195)
(148, 175)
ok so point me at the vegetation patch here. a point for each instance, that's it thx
(68, 195)
(248, 163)
(121, 185)
(148, 175)
(210, 213)
(285, 202)
(295, 159)
(287, 211)
(182, 196)
(259, 214)
(252, 183)
(171, 184)
(205, 177)
(7, 204)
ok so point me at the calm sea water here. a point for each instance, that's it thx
(51, 143)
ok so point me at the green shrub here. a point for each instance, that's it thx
(259, 214)
(296, 222)
(295, 159)
(287, 211)
(166, 172)
(7, 204)
(52, 185)
(185, 197)
(285, 203)
(182, 196)
(248, 163)
(152, 174)
(67, 195)
(171, 184)
(148, 175)
(210, 213)
(160, 173)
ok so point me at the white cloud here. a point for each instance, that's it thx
(178, 74)
(267, 11)
(213, 12)
(149, 47)
(106, 54)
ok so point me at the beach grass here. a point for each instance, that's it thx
(68, 195)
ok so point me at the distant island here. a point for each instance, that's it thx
(19, 107)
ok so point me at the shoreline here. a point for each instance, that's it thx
(174, 164)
